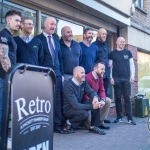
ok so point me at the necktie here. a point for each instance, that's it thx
(52, 51)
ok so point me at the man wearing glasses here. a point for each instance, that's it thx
(29, 48)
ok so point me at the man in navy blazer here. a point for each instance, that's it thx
(53, 59)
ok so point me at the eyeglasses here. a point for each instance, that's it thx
(30, 24)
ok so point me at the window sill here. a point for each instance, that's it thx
(141, 10)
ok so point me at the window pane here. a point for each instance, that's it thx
(25, 12)
(76, 29)
(144, 73)
(95, 36)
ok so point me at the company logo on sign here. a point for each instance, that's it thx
(34, 115)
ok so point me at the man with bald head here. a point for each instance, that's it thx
(103, 56)
(121, 77)
(74, 108)
(53, 59)
(71, 52)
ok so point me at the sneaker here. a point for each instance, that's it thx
(131, 121)
(97, 130)
(118, 120)
(70, 129)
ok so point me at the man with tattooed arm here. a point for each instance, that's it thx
(7, 49)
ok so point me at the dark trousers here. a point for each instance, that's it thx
(76, 117)
(123, 87)
(106, 83)
(58, 101)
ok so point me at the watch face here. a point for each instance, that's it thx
(148, 123)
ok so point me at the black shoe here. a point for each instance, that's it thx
(131, 121)
(107, 121)
(70, 129)
(104, 127)
(118, 120)
(61, 131)
(97, 130)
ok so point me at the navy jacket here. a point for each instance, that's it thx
(71, 56)
(103, 56)
(48, 62)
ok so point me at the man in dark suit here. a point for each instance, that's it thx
(52, 58)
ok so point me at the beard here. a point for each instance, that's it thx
(100, 75)
(90, 38)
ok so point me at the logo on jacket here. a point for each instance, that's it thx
(35, 47)
(126, 56)
(3, 39)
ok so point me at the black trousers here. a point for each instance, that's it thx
(58, 101)
(106, 83)
(76, 117)
(123, 87)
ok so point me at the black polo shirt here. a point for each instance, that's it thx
(6, 38)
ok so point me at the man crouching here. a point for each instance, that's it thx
(76, 110)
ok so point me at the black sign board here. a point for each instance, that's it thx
(32, 96)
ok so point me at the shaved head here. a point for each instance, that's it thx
(79, 74)
(120, 43)
(102, 34)
(66, 34)
(49, 25)
(65, 28)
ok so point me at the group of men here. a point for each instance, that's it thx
(83, 71)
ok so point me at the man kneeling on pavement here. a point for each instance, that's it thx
(95, 81)
(75, 109)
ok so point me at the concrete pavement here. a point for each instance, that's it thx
(121, 136)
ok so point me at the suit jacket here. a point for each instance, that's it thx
(103, 56)
(48, 62)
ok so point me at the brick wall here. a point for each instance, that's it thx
(142, 18)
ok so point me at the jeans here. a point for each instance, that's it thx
(1, 101)
(123, 87)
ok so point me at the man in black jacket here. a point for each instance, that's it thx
(71, 52)
(103, 54)
(74, 108)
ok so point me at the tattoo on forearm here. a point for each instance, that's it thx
(4, 59)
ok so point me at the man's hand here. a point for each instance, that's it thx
(102, 103)
(96, 105)
(131, 80)
(112, 81)
(95, 99)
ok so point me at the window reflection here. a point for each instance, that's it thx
(144, 73)
(76, 29)
(25, 12)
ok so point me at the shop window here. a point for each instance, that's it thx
(77, 30)
(25, 12)
(144, 73)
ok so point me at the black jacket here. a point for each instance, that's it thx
(103, 56)
(71, 56)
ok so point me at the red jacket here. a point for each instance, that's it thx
(96, 85)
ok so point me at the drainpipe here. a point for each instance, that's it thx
(38, 22)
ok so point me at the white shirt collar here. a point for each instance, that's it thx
(46, 35)
(75, 82)
(95, 77)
